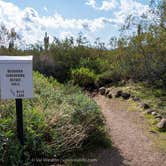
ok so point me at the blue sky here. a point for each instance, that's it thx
(62, 18)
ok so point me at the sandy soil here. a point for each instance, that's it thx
(131, 144)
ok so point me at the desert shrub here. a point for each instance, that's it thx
(108, 77)
(104, 79)
(58, 122)
(83, 77)
(52, 66)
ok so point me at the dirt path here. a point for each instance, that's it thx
(127, 129)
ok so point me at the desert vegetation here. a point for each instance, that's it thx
(59, 122)
(62, 120)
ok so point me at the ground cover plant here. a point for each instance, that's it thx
(59, 122)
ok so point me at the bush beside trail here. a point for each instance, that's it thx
(83, 77)
(58, 121)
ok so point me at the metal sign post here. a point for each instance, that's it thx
(20, 127)
(19, 117)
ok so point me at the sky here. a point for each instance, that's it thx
(64, 18)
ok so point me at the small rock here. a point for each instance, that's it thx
(149, 111)
(136, 99)
(107, 92)
(118, 94)
(109, 96)
(158, 116)
(154, 113)
(158, 119)
(126, 95)
(102, 90)
(162, 124)
(145, 106)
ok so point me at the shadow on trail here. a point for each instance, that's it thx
(109, 157)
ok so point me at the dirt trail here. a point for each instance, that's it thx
(132, 145)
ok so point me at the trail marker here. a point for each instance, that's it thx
(16, 77)
(16, 83)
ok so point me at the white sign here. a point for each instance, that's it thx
(16, 77)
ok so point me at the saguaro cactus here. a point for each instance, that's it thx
(46, 42)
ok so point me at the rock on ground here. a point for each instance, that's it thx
(145, 106)
(118, 94)
(162, 124)
(102, 90)
(109, 95)
(125, 95)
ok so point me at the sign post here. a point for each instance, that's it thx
(19, 116)
(16, 83)
(20, 126)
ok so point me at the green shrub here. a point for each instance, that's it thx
(103, 79)
(107, 78)
(83, 77)
(58, 121)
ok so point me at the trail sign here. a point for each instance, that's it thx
(16, 83)
(16, 77)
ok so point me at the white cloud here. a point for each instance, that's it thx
(121, 9)
(31, 25)
(57, 21)
(65, 34)
(129, 7)
(106, 4)
(45, 8)
(24, 21)
(133, 6)
(91, 3)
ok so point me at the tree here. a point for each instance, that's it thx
(3, 35)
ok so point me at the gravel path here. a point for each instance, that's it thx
(131, 143)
